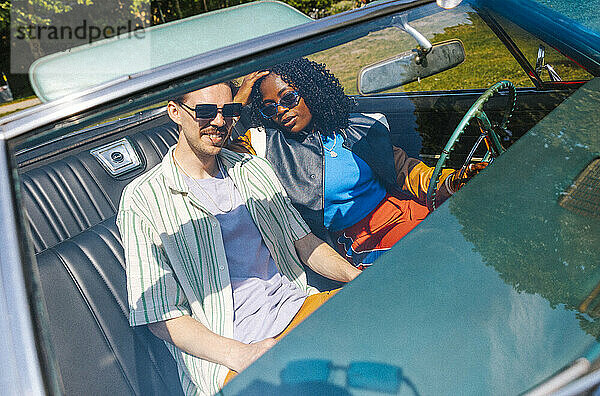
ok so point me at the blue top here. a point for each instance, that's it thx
(351, 191)
(264, 301)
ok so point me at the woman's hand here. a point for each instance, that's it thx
(243, 94)
(470, 171)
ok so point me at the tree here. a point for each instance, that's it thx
(313, 8)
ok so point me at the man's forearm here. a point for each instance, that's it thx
(322, 259)
(192, 337)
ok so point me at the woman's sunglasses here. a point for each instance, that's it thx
(210, 111)
(289, 100)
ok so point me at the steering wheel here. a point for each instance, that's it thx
(489, 133)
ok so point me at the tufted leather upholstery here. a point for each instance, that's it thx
(70, 206)
(71, 194)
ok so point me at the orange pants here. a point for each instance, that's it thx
(310, 305)
(377, 232)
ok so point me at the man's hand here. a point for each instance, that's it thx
(192, 337)
(471, 170)
(322, 259)
(243, 94)
(250, 352)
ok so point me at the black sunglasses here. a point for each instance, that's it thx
(209, 111)
(289, 100)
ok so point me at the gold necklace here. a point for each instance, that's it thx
(225, 176)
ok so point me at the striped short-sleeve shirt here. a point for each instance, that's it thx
(175, 257)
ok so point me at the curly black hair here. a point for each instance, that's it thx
(320, 89)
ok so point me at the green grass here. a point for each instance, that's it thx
(3, 106)
(487, 59)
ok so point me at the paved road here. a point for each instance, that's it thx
(9, 107)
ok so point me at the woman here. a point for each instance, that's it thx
(338, 167)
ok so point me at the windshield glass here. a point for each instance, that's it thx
(61, 73)
(493, 293)
(584, 12)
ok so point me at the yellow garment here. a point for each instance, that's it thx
(310, 305)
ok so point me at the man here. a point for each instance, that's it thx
(214, 248)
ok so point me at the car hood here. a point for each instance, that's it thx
(483, 297)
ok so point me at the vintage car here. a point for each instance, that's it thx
(496, 292)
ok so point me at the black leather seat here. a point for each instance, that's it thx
(70, 206)
(71, 194)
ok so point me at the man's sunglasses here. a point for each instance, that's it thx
(210, 111)
(289, 100)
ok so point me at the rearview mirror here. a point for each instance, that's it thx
(410, 66)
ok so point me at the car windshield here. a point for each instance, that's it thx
(491, 294)
(59, 74)
(584, 12)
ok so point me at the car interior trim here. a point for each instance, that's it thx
(24, 310)
(117, 157)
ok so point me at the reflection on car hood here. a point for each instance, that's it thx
(584, 12)
(483, 296)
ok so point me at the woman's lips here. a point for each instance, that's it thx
(289, 122)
